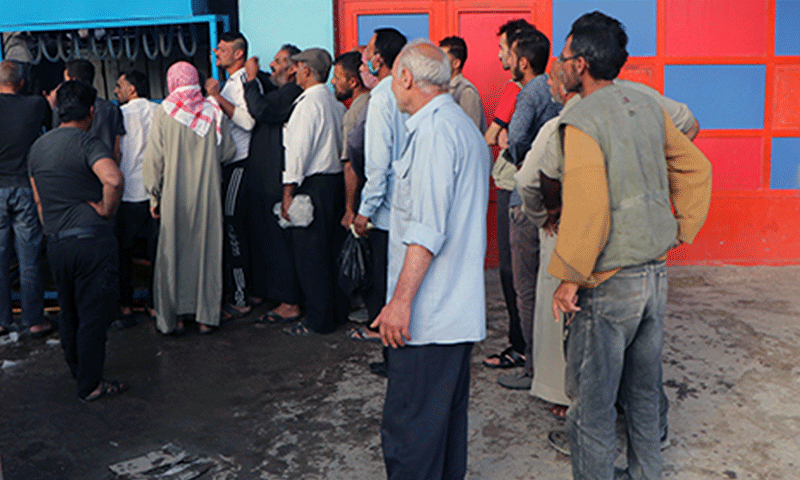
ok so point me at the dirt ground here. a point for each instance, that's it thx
(272, 406)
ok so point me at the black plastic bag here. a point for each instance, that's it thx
(355, 265)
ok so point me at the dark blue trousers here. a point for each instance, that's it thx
(424, 427)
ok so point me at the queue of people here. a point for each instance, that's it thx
(246, 195)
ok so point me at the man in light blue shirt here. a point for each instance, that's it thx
(437, 244)
(384, 137)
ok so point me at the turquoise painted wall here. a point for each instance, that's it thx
(268, 24)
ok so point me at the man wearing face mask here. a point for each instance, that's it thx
(385, 135)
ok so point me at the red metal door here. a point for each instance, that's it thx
(477, 22)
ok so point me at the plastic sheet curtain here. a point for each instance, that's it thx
(113, 43)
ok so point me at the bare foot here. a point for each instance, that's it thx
(287, 311)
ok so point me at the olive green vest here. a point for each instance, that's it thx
(629, 127)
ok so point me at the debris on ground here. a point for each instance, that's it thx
(173, 463)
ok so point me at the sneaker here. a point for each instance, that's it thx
(559, 440)
(516, 381)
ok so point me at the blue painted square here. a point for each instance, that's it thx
(638, 16)
(720, 96)
(785, 164)
(787, 27)
(413, 26)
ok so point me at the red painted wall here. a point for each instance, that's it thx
(749, 222)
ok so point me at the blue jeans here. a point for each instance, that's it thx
(19, 223)
(614, 347)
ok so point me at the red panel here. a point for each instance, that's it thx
(737, 162)
(483, 67)
(747, 231)
(715, 27)
(785, 107)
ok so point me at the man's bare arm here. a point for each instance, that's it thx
(288, 196)
(395, 317)
(109, 175)
(212, 87)
(491, 133)
(37, 200)
(350, 195)
(117, 150)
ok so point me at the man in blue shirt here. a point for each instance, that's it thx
(384, 137)
(528, 56)
(437, 243)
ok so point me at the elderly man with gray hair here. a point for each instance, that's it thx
(437, 242)
(313, 141)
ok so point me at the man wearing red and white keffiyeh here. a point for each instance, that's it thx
(182, 173)
(186, 104)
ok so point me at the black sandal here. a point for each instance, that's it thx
(298, 330)
(508, 358)
(110, 388)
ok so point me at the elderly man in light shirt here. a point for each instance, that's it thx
(231, 55)
(437, 243)
(313, 141)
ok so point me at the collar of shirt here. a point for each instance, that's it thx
(426, 111)
(456, 80)
(240, 74)
(385, 84)
(312, 91)
(133, 104)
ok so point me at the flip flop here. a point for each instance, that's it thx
(229, 312)
(360, 334)
(298, 330)
(107, 387)
(272, 318)
(509, 358)
(209, 329)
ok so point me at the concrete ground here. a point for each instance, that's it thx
(271, 406)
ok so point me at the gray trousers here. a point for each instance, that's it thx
(524, 239)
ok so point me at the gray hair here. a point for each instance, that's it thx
(10, 73)
(428, 64)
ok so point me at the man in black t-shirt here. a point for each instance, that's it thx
(22, 120)
(77, 186)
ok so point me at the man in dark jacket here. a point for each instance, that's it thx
(269, 99)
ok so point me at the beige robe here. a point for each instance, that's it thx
(182, 174)
(548, 336)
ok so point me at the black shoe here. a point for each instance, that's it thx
(378, 368)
